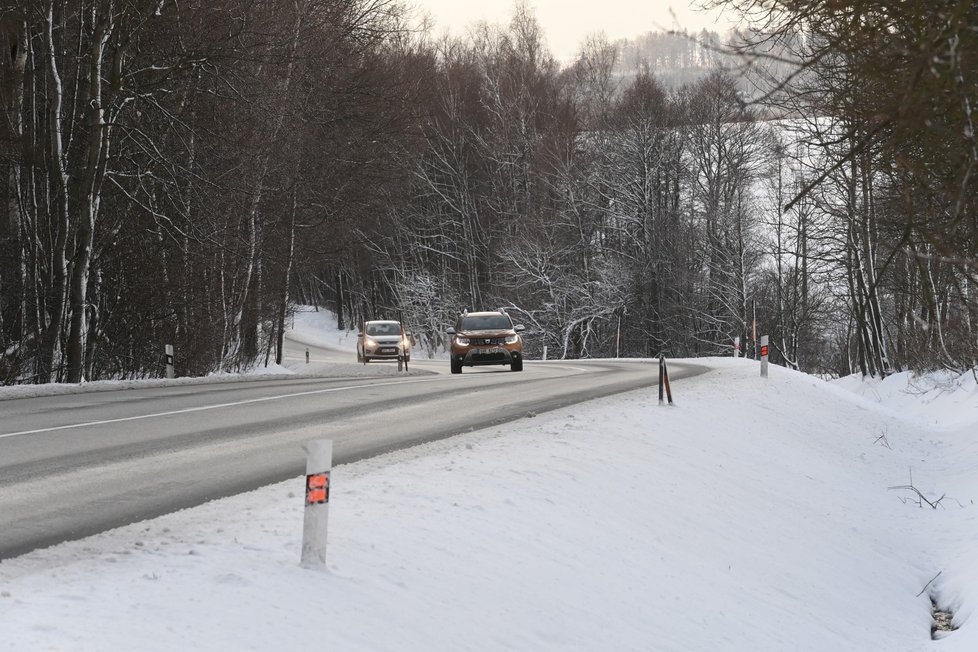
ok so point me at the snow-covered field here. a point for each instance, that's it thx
(754, 515)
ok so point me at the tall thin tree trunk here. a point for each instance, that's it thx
(57, 290)
(340, 301)
(284, 307)
(96, 146)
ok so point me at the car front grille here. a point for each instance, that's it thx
(482, 341)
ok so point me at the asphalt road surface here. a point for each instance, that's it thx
(78, 464)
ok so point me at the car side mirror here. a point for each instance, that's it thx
(360, 334)
(451, 330)
(519, 327)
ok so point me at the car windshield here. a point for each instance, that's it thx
(486, 323)
(383, 328)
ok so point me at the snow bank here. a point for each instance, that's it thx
(942, 400)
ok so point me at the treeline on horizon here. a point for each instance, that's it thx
(185, 173)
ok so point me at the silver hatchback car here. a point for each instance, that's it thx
(383, 340)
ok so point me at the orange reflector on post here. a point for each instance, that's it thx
(317, 488)
(315, 511)
(316, 496)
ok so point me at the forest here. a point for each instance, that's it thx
(187, 172)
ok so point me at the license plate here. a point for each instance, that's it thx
(388, 350)
(489, 351)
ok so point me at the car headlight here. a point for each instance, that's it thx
(369, 342)
(464, 341)
(512, 339)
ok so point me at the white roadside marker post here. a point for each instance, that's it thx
(319, 464)
(763, 356)
(544, 351)
(169, 360)
(737, 346)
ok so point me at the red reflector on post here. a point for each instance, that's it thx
(317, 488)
(316, 496)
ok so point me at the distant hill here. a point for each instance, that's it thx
(675, 59)
(679, 59)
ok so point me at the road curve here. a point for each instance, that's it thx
(77, 464)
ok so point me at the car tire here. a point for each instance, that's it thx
(456, 366)
(516, 365)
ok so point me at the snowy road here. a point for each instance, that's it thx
(73, 465)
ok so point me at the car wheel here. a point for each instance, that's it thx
(516, 365)
(456, 366)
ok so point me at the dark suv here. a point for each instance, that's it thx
(482, 338)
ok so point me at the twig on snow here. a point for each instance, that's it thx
(928, 584)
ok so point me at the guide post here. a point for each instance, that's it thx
(319, 464)
(664, 388)
(763, 356)
(169, 360)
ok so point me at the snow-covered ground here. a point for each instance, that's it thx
(317, 327)
(755, 515)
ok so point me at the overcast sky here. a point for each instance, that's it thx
(567, 22)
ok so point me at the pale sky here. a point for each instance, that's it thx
(567, 23)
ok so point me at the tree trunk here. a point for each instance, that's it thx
(96, 151)
(284, 306)
(57, 288)
(340, 301)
